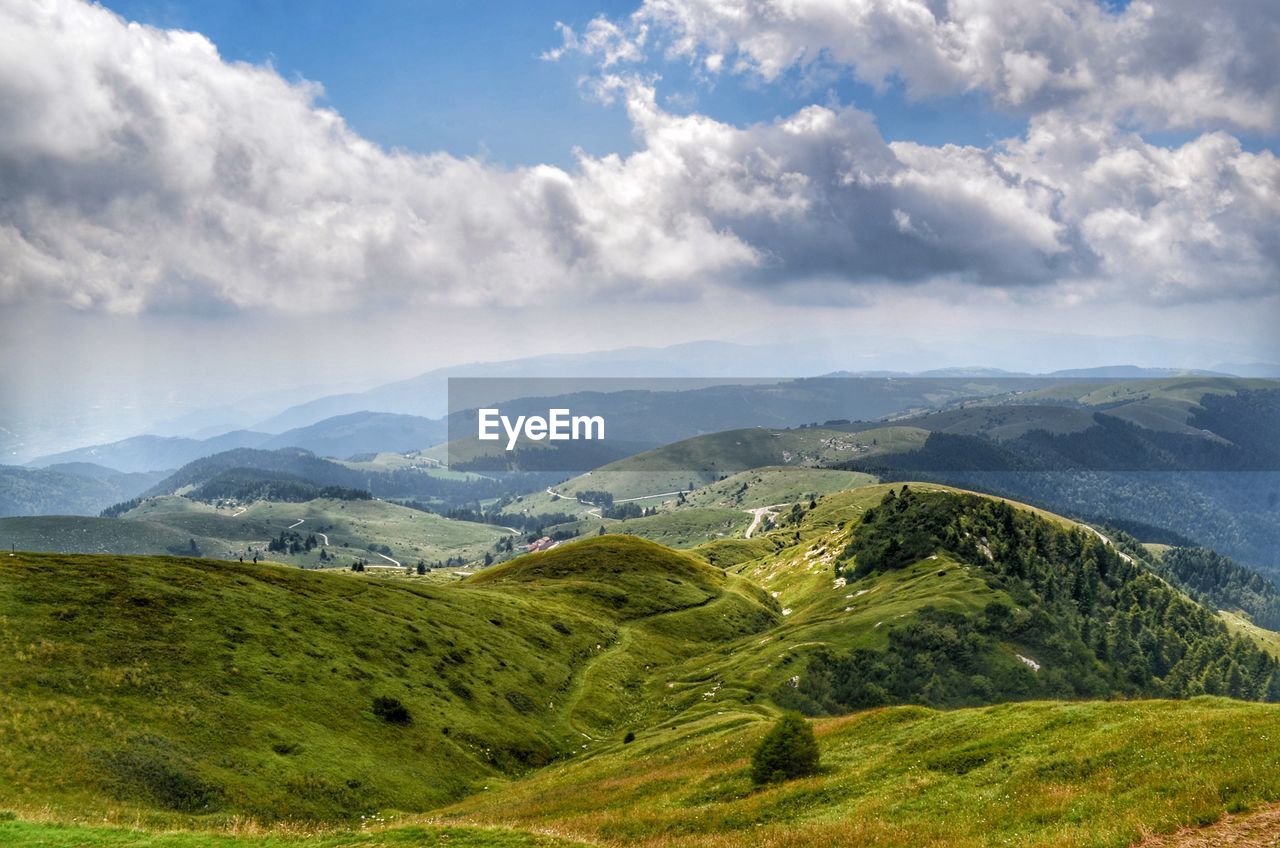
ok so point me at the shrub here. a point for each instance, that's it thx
(390, 710)
(787, 751)
(629, 738)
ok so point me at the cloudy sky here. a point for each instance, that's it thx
(247, 190)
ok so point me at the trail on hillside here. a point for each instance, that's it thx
(759, 514)
(1259, 829)
(579, 685)
(648, 497)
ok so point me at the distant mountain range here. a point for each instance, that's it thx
(341, 436)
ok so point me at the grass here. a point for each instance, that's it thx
(702, 460)
(1268, 640)
(211, 689)
(184, 702)
(39, 835)
(676, 528)
(167, 525)
(774, 485)
(1033, 774)
(717, 510)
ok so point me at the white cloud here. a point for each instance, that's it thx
(603, 39)
(141, 172)
(1170, 64)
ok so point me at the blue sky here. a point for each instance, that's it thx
(467, 78)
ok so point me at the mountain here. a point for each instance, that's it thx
(1175, 460)
(341, 436)
(641, 419)
(153, 453)
(362, 432)
(612, 689)
(719, 362)
(427, 393)
(1170, 461)
(295, 464)
(1269, 370)
(333, 528)
(66, 489)
(1133, 372)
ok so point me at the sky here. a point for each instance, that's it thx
(205, 201)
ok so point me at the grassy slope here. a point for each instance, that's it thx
(1034, 774)
(676, 528)
(1268, 640)
(705, 459)
(681, 654)
(249, 687)
(166, 525)
(775, 485)
(717, 510)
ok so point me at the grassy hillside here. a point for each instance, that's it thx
(1181, 461)
(771, 485)
(206, 687)
(170, 524)
(609, 691)
(721, 509)
(705, 459)
(1039, 774)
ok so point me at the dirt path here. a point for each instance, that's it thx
(647, 497)
(295, 524)
(1260, 829)
(759, 514)
(324, 536)
(388, 559)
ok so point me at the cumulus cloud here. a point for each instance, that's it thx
(602, 39)
(142, 172)
(1177, 64)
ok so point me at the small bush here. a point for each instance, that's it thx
(390, 710)
(629, 738)
(787, 751)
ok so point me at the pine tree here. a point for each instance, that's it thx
(787, 751)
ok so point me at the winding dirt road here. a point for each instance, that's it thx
(759, 514)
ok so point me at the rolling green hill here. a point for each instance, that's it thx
(344, 529)
(203, 692)
(205, 687)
